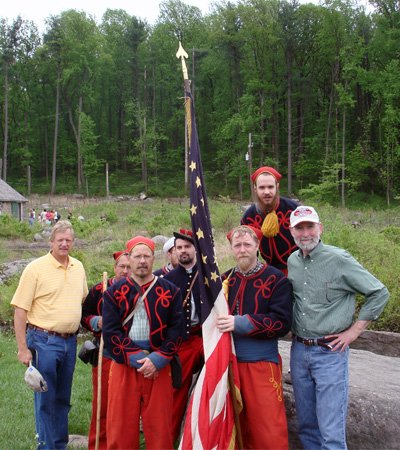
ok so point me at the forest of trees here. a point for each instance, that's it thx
(314, 88)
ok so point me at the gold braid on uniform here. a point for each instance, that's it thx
(225, 284)
(270, 226)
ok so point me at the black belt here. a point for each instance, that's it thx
(322, 342)
(53, 333)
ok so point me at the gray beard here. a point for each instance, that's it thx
(308, 247)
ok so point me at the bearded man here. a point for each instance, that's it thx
(142, 329)
(271, 215)
(325, 281)
(260, 306)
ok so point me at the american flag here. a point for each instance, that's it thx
(210, 418)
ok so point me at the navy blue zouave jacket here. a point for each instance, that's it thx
(163, 305)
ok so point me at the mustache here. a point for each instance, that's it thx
(142, 266)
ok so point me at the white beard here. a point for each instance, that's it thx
(309, 246)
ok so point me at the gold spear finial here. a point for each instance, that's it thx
(182, 54)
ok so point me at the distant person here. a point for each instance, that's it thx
(57, 217)
(271, 214)
(142, 327)
(325, 281)
(169, 250)
(44, 218)
(49, 297)
(49, 217)
(260, 307)
(32, 216)
(103, 218)
(70, 216)
(80, 217)
(92, 320)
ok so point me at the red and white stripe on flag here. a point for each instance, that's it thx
(209, 420)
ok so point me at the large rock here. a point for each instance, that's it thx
(11, 269)
(374, 401)
(380, 342)
(160, 239)
(78, 441)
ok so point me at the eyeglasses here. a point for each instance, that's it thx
(139, 257)
(127, 267)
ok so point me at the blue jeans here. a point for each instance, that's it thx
(320, 380)
(55, 360)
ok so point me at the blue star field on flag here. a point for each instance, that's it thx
(209, 277)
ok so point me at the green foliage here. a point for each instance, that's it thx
(391, 233)
(226, 215)
(7, 292)
(329, 187)
(12, 228)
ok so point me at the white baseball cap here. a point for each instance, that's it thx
(303, 214)
(169, 244)
(34, 379)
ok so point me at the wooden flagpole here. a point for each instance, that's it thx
(99, 367)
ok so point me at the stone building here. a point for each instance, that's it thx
(12, 203)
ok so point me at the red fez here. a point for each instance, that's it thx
(268, 170)
(256, 231)
(184, 234)
(118, 255)
(140, 240)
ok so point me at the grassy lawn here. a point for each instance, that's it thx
(17, 425)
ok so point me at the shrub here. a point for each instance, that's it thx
(11, 228)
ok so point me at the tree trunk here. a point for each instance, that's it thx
(81, 177)
(5, 121)
(123, 138)
(289, 100)
(344, 156)
(53, 176)
(328, 126)
(262, 126)
(154, 126)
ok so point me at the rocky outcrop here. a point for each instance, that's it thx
(380, 342)
(9, 270)
(373, 416)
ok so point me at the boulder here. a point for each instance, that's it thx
(46, 232)
(380, 342)
(144, 233)
(374, 400)
(160, 239)
(159, 254)
(38, 237)
(78, 441)
(11, 269)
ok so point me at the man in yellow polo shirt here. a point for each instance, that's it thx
(49, 297)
